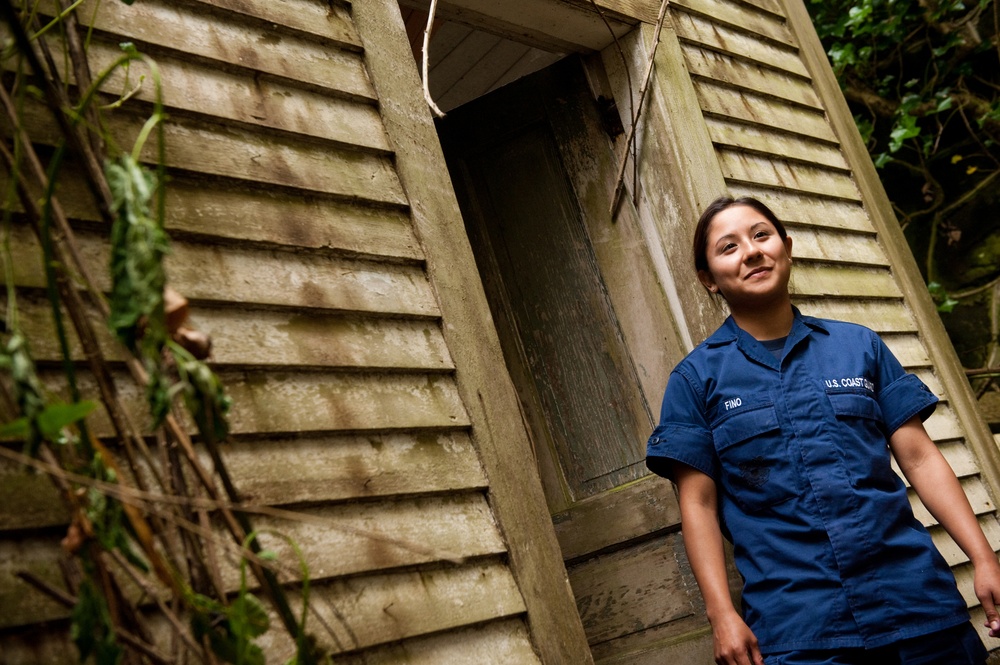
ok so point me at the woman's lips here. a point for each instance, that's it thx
(756, 271)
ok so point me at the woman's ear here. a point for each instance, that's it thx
(788, 247)
(706, 280)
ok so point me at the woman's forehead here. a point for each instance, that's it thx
(736, 219)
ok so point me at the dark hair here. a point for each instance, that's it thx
(700, 244)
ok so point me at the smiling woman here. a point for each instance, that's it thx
(794, 467)
(746, 256)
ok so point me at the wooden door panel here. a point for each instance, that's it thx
(533, 172)
(612, 519)
(636, 589)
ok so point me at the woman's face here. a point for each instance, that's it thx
(748, 262)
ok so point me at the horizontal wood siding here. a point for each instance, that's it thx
(293, 240)
(774, 142)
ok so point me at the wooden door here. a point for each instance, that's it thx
(588, 339)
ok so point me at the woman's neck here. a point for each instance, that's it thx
(766, 322)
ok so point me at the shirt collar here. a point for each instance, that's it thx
(729, 333)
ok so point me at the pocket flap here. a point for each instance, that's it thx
(745, 425)
(854, 404)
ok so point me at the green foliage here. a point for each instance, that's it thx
(231, 629)
(138, 246)
(204, 396)
(91, 628)
(922, 79)
(944, 301)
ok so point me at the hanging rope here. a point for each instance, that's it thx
(426, 53)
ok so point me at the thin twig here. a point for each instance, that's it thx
(145, 500)
(141, 582)
(620, 182)
(628, 82)
(68, 600)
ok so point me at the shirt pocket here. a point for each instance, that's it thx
(863, 441)
(757, 471)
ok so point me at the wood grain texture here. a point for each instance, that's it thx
(765, 141)
(232, 152)
(832, 246)
(747, 168)
(216, 274)
(203, 88)
(884, 316)
(724, 100)
(230, 212)
(839, 281)
(640, 586)
(695, 29)
(495, 643)
(330, 20)
(633, 510)
(366, 537)
(744, 75)
(374, 610)
(190, 28)
(744, 16)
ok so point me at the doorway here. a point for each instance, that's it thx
(533, 169)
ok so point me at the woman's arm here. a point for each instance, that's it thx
(735, 644)
(938, 487)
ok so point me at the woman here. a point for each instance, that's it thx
(777, 431)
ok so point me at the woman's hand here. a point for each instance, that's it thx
(987, 587)
(735, 643)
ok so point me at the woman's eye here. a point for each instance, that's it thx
(761, 234)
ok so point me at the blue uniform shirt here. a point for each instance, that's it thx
(824, 537)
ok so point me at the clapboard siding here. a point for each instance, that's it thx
(728, 102)
(764, 141)
(275, 338)
(693, 29)
(254, 157)
(762, 170)
(316, 468)
(294, 242)
(217, 274)
(237, 96)
(328, 20)
(227, 39)
(769, 26)
(338, 540)
(495, 643)
(408, 605)
(235, 213)
(739, 73)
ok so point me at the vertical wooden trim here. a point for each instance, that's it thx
(876, 202)
(679, 170)
(515, 491)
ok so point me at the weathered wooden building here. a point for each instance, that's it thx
(439, 333)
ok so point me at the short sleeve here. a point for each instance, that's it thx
(683, 434)
(900, 395)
